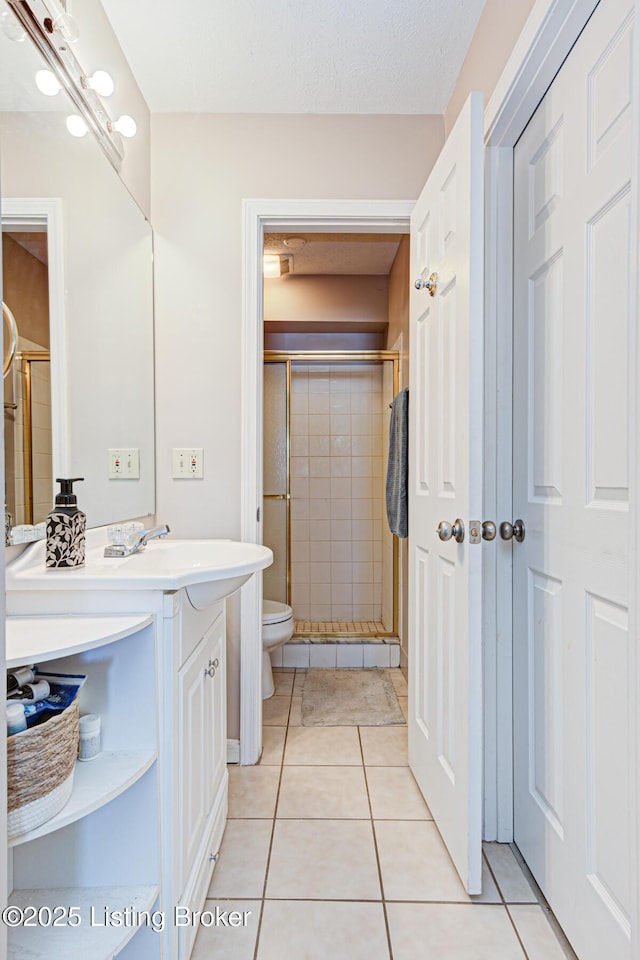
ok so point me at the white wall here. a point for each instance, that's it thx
(347, 299)
(201, 168)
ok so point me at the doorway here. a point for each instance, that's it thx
(283, 217)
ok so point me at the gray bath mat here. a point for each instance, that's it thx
(338, 698)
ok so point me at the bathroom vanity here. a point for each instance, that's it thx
(144, 824)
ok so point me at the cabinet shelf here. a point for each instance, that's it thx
(100, 942)
(38, 639)
(95, 783)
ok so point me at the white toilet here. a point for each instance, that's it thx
(277, 628)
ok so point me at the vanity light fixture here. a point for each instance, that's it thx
(275, 266)
(53, 31)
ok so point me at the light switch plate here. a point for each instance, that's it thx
(187, 463)
(124, 463)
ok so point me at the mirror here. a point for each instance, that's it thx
(77, 277)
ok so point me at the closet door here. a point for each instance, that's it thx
(572, 321)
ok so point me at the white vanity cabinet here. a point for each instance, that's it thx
(145, 822)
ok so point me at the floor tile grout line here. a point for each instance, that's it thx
(375, 846)
(543, 903)
(486, 860)
(273, 829)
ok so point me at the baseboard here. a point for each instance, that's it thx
(233, 751)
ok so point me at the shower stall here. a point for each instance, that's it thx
(326, 429)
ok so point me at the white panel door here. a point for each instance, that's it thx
(445, 483)
(572, 205)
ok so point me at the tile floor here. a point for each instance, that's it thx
(332, 849)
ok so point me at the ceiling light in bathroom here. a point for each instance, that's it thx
(295, 243)
(76, 126)
(47, 83)
(275, 266)
(101, 82)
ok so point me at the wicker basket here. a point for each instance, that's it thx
(40, 766)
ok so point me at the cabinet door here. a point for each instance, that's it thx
(194, 766)
(216, 707)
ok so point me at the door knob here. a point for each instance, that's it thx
(431, 284)
(446, 530)
(488, 530)
(514, 530)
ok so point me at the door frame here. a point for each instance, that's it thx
(259, 216)
(33, 213)
(548, 36)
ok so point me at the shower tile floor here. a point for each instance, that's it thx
(332, 851)
(365, 628)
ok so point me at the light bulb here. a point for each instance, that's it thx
(12, 27)
(271, 266)
(67, 26)
(47, 83)
(126, 126)
(76, 126)
(102, 83)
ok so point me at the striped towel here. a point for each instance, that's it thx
(398, 465)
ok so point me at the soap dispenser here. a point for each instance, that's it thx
(66, 526)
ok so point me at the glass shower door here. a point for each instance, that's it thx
(277, 499)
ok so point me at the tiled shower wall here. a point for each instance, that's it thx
(338, 464)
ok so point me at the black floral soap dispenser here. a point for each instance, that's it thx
(66, 526)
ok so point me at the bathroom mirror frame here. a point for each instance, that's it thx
(45, 213)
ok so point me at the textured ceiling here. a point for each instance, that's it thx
(338, 253)
(295, 56)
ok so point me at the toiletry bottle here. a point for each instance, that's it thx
(16, 722)
(89, 743)
(65, 529)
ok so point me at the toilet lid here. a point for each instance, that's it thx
(274, 612)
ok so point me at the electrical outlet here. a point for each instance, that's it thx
(187, 463)
(124, 463)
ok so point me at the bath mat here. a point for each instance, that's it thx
(349, 698)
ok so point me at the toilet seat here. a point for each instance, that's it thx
(274, 612)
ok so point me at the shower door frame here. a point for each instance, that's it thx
(334, 356)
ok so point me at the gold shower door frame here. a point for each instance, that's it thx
(29, 357)
(332, 356)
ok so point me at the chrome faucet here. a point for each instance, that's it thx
(136, 542)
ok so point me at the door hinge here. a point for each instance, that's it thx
(258, 515)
